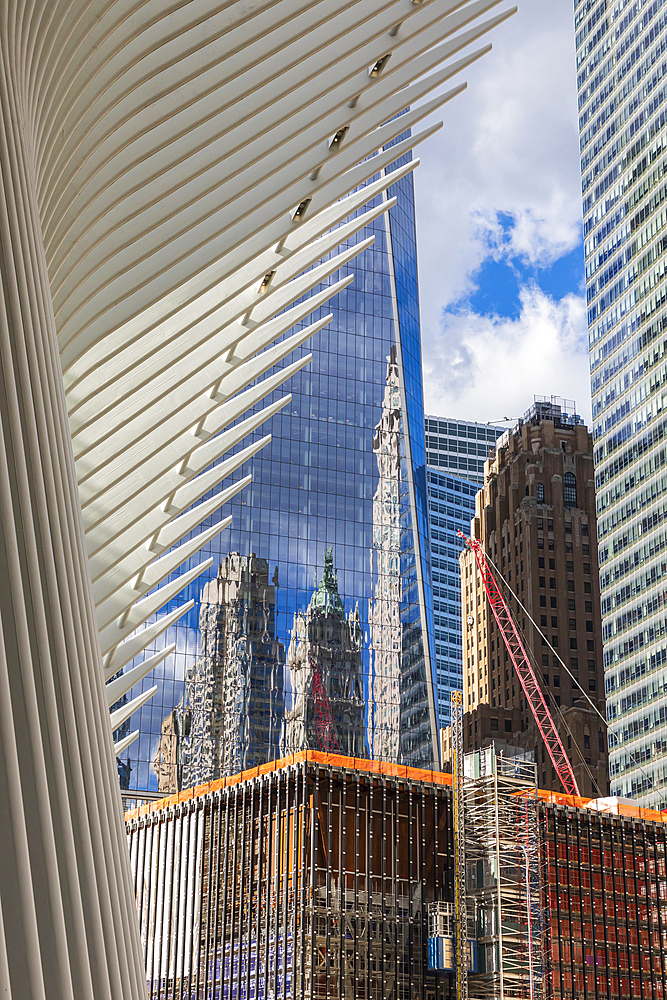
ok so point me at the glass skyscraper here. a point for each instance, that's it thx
(318, 632)
(451, 445)
(621, 76)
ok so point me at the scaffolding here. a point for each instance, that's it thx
(504, 876)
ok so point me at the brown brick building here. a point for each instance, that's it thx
(536, 518)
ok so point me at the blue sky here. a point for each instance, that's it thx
(499, 229)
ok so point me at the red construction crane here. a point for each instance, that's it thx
(524, 669)
(326, 734)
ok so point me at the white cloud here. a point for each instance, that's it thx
(487, 367)
(510, 147)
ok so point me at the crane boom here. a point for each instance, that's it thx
(524, 669)
(326, 734)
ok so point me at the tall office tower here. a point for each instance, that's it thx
(451, 445)
(345, 470)
(325, 665)
(621, 66)
(536, 518)
(459, 447)
(231, 715)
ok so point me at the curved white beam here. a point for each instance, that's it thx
(168, 185)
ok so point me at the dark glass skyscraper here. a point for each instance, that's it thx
(341, 488)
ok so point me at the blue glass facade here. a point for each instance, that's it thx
(451, 507)
(336, 520)
(451, 444)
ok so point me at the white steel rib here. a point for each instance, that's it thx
(174, 176)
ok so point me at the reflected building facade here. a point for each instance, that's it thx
(326, 674)
(231, 714)
(324, 482)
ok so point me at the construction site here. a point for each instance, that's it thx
(328, 876)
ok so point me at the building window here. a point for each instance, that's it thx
(540, 523)
(587, 588)
(552, 564)
(589, 626)
(539, 493)
(573, 624)
(573, 643)
(591, 666)
(592, 685)
(550, 524)
(540, 543)
(494, 725)
(552, 583)
(569, 566)
(590, 645)
(587, 742)
(569, 490)
(545, 658)
(543, 600)
(540, 562)
(508, 725)
(543, 582)
(554, 622)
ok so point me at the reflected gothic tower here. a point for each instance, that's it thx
(231, 716)
(326, 641)
(384, 611)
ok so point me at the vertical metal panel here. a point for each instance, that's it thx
(370, 860)
(314, 844)
(159, 905)
(176, 897)
(212, 814)
(342, 882)
(230, 977)
(284, 881)
(276, 883)
(253, 904)
(260, 902)
(329, 917)
(355, 932)
(152, 893)
(302, 888)
(267, 888)
(383, 883)
(167, 901)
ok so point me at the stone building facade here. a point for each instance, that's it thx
(536, 517)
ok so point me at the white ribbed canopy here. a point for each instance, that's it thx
(171, 173)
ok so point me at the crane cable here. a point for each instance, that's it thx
(500, 577)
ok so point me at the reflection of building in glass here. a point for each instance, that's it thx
(384, 612)
(231, 715)
(328, 641)
(314, 484)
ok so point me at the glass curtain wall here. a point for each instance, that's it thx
(621, 74)
(313, 627)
